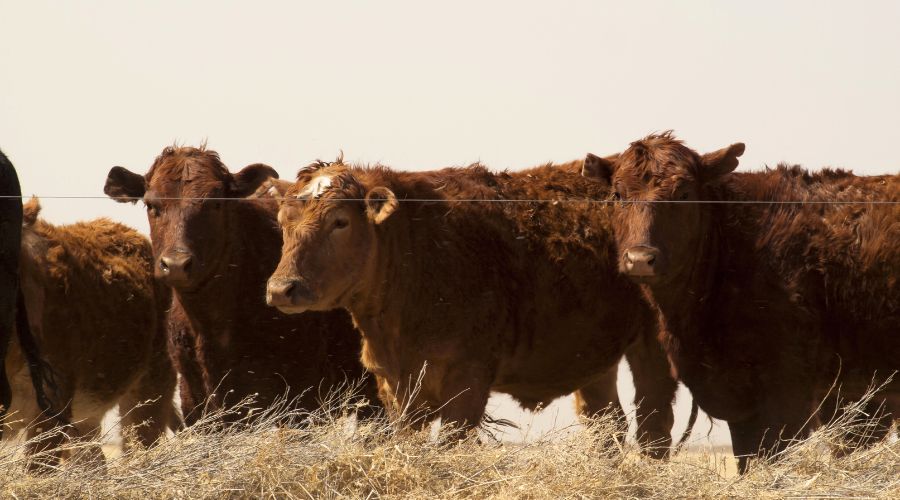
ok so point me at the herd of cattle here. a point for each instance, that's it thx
(772, 295)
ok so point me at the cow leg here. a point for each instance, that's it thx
(148, 408)
(880, 422)
(874, 424)
(188, 401)
(145, 418)
(87, 431)
(407, 406)
(765, 437)
(756, 439)
(746, 442)
(181, 344)
(24, 408)
(45, 442)
(654, 394)
(601, 398)
(46, 430)
(370, 390)
(47, 433)
(388, 398)
(464, 392)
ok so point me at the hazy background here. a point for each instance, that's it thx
(87, 85)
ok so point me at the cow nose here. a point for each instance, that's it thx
(280, 292)
(641, 261)
(175, 268)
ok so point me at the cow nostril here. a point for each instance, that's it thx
(175, 267)
(651, 260)
(628, 258)
(280, 292)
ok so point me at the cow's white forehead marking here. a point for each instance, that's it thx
(316, 187)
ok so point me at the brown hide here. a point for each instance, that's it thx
(763, 305)
(517, 297)
(95, 312)
(10, 244)
(228, 345)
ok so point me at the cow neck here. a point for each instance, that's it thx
(369, 302)
(220, 305)
(374, 303)
(684, 308)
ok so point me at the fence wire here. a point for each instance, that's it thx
(476, 200)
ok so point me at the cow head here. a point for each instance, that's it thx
(331, 222)
(186, 193)
(658, 180)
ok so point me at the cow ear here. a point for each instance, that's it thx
(124, 185)
(272, 188)
(598, 168)
(250, 178)
(30, 211)
(381, 202)
(723, 161)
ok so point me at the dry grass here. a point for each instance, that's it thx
(329, 456)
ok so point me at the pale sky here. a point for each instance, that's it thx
(88, 85)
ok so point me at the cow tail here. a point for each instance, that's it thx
(692, 419)
(41, 373)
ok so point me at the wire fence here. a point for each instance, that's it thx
(477, 200)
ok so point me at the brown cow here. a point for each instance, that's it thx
(99, 319)
(489, 293)
(216, 250)
(762, 305)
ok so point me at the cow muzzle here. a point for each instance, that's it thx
(175, 268)
(641, 262)
(289, 295)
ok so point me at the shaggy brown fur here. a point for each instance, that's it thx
(489, 295)
(762, 305)
(217, 254)
(99, 319)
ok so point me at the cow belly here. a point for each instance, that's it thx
(89, 407)
(530, 396)
(534, 378)
(548, 372)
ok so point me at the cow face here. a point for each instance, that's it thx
(330, 223)
(187, 193)
(658, 182)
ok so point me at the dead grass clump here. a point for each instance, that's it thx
(325, 455)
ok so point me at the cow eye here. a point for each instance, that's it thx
(341, 223)
(616, 196)
(152, 210)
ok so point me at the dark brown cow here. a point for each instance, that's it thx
(100, 321)
(763, 305)
(484, 292)
(13, 315)
(216, 251)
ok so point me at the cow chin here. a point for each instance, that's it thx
(293, 309)
(641, 278)
(651, 280)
